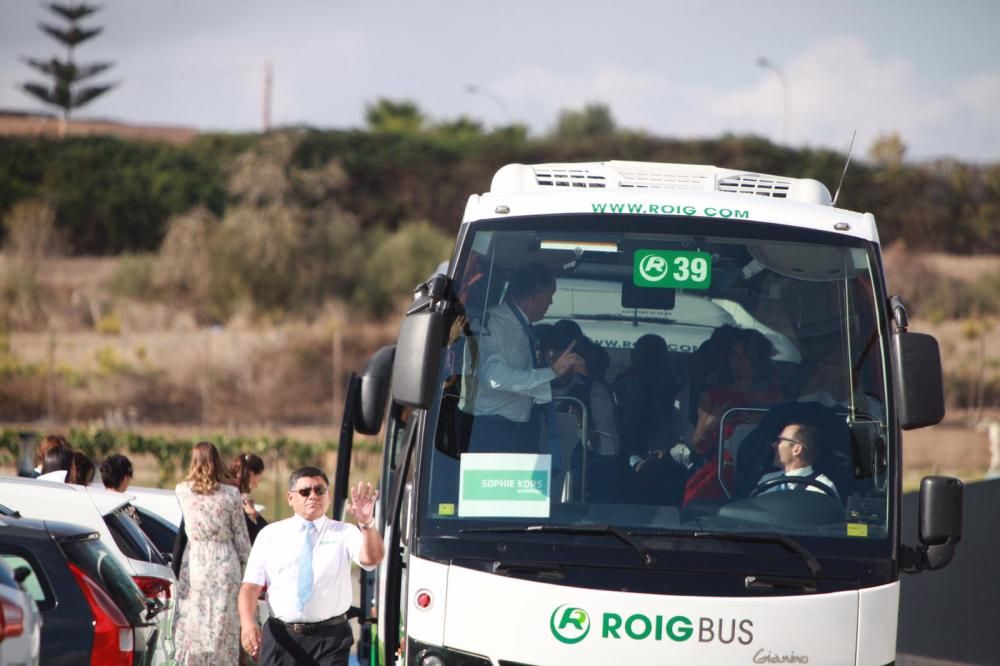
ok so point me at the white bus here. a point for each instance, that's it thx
(569, 553)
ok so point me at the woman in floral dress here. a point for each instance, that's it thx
(208, 625)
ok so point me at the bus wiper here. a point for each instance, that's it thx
(749, 537)
(621, 535)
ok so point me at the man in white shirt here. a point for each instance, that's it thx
(795, 451)
(305, 564)
(512, 377)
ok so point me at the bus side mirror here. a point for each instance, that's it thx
(373, 390)
(940, 522)
(916, 365)
(939, 525)
(418, 358)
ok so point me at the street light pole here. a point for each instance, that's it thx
(474, 89)
(767, 64)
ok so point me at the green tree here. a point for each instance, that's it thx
(593, 120)
(888, 151)
(387, 115)
(64, 90)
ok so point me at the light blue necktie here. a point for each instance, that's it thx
(306, 565)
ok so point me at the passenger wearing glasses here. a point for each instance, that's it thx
(796, 449)
(208, 628)
(305, 564)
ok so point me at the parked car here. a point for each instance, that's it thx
(92, 611)
(111, 515)
(160, 531)
(20, 622)
(161, 501)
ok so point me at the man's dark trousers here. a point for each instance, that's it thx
(322, 646)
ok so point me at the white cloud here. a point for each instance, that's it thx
(835, 86)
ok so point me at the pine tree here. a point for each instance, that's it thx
(64, 91)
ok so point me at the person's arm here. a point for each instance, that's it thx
(241, 537)
(247, 605)
(180, 544)
(363, 509)
(254, 580)
(506, 363)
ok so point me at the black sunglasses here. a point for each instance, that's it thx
(305, 492)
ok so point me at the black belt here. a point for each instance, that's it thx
(307, 627)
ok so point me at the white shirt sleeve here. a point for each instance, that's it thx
(354, 541)
(507, 364)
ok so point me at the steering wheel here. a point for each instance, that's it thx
(781, 480)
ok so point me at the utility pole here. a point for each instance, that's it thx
(268, 80)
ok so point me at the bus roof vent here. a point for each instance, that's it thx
(755, 183)
(550, 175)
(621, 175)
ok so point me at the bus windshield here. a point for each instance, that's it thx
(683, 375)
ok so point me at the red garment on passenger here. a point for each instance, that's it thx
(704, 483)
(734, 397)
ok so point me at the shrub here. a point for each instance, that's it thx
(398, 263)
(109, 324)
(133, 277)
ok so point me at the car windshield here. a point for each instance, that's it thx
(729, 380)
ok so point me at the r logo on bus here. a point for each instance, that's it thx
(653, 267)
(569, 624)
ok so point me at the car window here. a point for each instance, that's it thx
(129, 536)
(95, 560)
(7, 576)
(159, 531)
(35, 584)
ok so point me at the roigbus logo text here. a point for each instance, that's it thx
(571, 624)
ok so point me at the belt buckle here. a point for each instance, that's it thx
(297, 627)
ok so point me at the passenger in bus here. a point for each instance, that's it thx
(583, 393)
(604, 466)
(829, 383)
(513, 378)
(706, 368)
(796, 450)
(748, 381)
(646, 392)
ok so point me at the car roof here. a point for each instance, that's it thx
(14, 489)
(30, 528)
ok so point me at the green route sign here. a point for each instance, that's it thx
(674, 270)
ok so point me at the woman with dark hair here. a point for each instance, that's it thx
(246, 471)
(208, 625)
(48, 443)
(747, 380)
(84, 470)
(58, 465)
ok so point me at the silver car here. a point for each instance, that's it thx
(20, 622)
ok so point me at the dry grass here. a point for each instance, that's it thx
(162, 373)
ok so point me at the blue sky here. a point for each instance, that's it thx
(931, 70)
